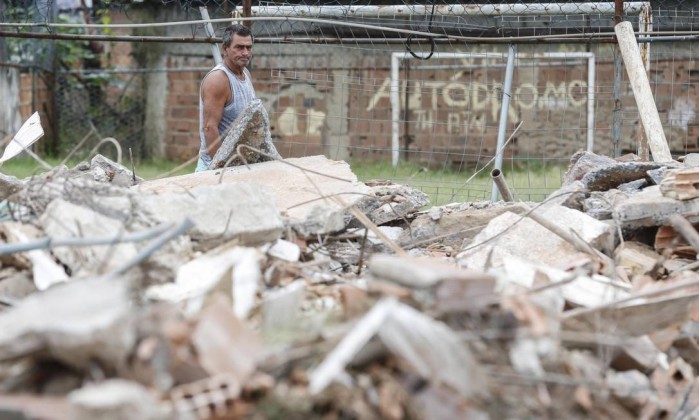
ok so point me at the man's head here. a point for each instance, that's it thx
(236, 29)
(237, 47)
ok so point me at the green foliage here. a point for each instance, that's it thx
(41, 52)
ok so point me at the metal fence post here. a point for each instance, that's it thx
(505, 106)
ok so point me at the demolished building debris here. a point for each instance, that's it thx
(295, 290)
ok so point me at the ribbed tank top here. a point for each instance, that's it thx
(243, 92)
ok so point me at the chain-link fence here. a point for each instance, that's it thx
(419, 87)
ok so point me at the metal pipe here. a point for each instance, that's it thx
(591, 103)
(456, 9)
(499, 180)
(504, 108)
(395, 110)
(607, 38)
(210, 32)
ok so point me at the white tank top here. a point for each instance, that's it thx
(242, 92)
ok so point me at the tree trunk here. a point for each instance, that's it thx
(10, 119)
(150, 55)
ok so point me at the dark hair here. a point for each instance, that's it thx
(236, 29)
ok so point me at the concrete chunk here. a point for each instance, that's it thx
(454, 225)
(9, 185)
(391, 202)
(106, 170)
(306, 200)
(251, 128)
(243, 211)
(115, 399)
(650, 208)
(583, 162)
(419, 272)
(525, 238)
(77, 322)
(67, 220)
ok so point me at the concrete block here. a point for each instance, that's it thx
(244, 211)
(309, 202)
(527, 239)
(251, 128)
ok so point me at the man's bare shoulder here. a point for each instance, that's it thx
(216, 83)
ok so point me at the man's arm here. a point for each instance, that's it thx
(215, 92)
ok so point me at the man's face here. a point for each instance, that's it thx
(240, 50)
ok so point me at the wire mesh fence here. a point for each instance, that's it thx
(410, 92)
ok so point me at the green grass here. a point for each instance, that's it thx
(23, 167)
(528, 181)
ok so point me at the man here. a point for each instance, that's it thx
(224, 92)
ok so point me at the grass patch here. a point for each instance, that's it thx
(23, 167)
(528, 180)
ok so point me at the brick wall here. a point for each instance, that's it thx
(323, 103)
(182, 113)
(449, 117)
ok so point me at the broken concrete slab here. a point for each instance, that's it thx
(106, 170)
(387, 203)
(77, 322)
(211, 271)
(456, 224)
(252, 129)
(650, 208)
(600, 204)
(520, 236)
(609, 177)
(27, 406)
(62, 219)
(218, 331)
(405, 331)
(9, 185)
(634, 318)
(116, 399)
(637, 353)
(691, 159)
(281, 311)
(570, 195)
(635, 258)
(80, 190)
(46, 272)
(576, 288)
(15, 285)
(445, 360)
(583, 162)
(303, 189)
(243, 211)
(419, 273)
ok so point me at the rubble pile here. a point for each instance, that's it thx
(289, 289)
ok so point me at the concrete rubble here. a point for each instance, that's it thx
(288, 288)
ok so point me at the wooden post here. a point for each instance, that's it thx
(636, 70)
